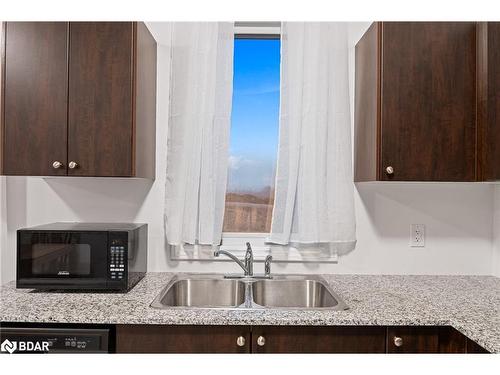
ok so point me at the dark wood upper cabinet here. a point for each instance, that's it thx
(34, 96)
(489, 100)
(415, 114)
(81, 93)
(100, 121)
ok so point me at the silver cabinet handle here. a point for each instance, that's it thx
(57, 164)
(240, 341)
(72, 164)
(261, 341)
(389, 170)
(398, 341)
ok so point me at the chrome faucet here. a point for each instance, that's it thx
(247, 266)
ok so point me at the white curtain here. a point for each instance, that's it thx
(198, 136)
(314, 201)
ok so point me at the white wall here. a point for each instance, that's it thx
(458, 217)
(496, 233)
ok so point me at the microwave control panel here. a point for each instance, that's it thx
(117, 258)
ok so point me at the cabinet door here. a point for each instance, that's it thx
(35, 90)
(416, 339)
(428, 101)
(489, 98)
(413, 340)
(101, 99)
(182, 339)
(297, 339)
(451, 341)
(474, 348)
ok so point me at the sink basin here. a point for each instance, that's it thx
(280, 292)
(201, 292)
(302, 293)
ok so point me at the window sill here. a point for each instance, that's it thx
(236, 244)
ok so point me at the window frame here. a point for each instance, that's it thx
(235, 242)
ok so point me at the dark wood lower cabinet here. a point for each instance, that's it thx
(246, 339)
(451, 341)
(182, 339)
(431, 340)
(474, 348)
(291, 339)
(299, 339)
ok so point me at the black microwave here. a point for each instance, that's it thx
(82, 256)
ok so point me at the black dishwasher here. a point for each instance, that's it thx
(31, 340)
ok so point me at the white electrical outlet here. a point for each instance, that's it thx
(417, 235)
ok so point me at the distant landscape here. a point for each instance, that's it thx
(249, 211)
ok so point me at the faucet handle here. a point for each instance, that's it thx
(267, 265)
(249, 260)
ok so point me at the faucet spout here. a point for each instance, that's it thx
(247, 267)
(217, 253)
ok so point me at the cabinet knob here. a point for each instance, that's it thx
(389, 170)
(72, 164)
(240, 341)
(57, 164)
(398, 341)
(261, 341)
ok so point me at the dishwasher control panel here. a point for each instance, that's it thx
(53, 340)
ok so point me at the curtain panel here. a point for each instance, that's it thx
(198, 131)
(314, 196)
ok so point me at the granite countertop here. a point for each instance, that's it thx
(471, 304)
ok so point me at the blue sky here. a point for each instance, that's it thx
(255, 115)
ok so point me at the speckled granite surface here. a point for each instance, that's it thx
(471, 304)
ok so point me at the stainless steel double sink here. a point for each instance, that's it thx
(280, 292)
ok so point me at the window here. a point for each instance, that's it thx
(254, 134)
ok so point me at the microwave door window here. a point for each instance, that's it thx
(60, 259)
